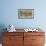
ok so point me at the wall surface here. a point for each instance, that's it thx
(9, 13)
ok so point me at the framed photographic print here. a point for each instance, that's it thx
(25, 13)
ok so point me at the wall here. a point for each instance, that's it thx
(9, 13)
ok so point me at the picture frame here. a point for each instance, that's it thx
(25, 13)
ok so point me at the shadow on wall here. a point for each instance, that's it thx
(2, 26)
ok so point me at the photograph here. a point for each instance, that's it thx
(25, 13)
